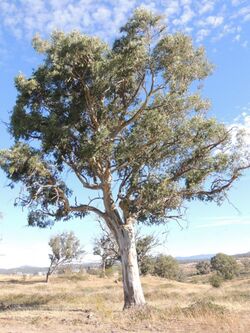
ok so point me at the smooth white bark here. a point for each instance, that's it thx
(133, 293)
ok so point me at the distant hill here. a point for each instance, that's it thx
(201, 257)
(242, 255)
(35, 270)
(198, 257)
(23, 269)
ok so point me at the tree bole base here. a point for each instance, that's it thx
(129, 305)
(133, 293)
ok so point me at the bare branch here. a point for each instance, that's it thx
(87, 208)
(81, 178)
(93, 199)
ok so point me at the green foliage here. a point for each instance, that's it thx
(166, 267)
(130, 114)
(226, 266)
(147, 265)
(144, 245)
(216, 280)
(65, 246)
(246, 264)
(203, 267)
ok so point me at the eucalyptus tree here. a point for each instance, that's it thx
(130, 123)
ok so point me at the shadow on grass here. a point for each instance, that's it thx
(22, 301)
(21, 282)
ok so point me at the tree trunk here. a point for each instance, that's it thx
(103, 267)
(47, 277)
(133, 294)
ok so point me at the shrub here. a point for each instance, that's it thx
(109, 272)
(147, 265)
(204, 307)
(224, 265)
(203, 267)
(216, 280)
(167, 267)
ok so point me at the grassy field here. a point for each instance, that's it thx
(85, 303)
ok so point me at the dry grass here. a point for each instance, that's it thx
(92, 304)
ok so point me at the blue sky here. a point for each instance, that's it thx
(223, 27)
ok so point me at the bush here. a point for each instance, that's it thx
(166, 267)
(204, 307)
(203, 267)
(147, 265)
(226, 266)
(109, 272)
(216, 280)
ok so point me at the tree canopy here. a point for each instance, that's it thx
(131, 111)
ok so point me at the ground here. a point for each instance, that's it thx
(85, 303)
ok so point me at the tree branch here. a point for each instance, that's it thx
(80, 177)
(87, 208)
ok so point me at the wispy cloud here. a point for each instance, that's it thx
(224, 221)
(206, 6)
(23, 18)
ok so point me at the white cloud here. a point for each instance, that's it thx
(213, 21)
(102, 13)
(171, 7)
(201, 34)
(237, 38)
(243, 12)
(238, 2)
(206, 6)
(245, 43)
(247, 17)
(224, 221)
(186, 16)
(185, 2)
(24, 18)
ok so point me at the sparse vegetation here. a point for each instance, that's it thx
(84, 303)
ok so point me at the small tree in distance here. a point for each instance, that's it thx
(166, 267)
(65, 248)
(144, 247)
(107, 248)
(226, 266)
(130, 123)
